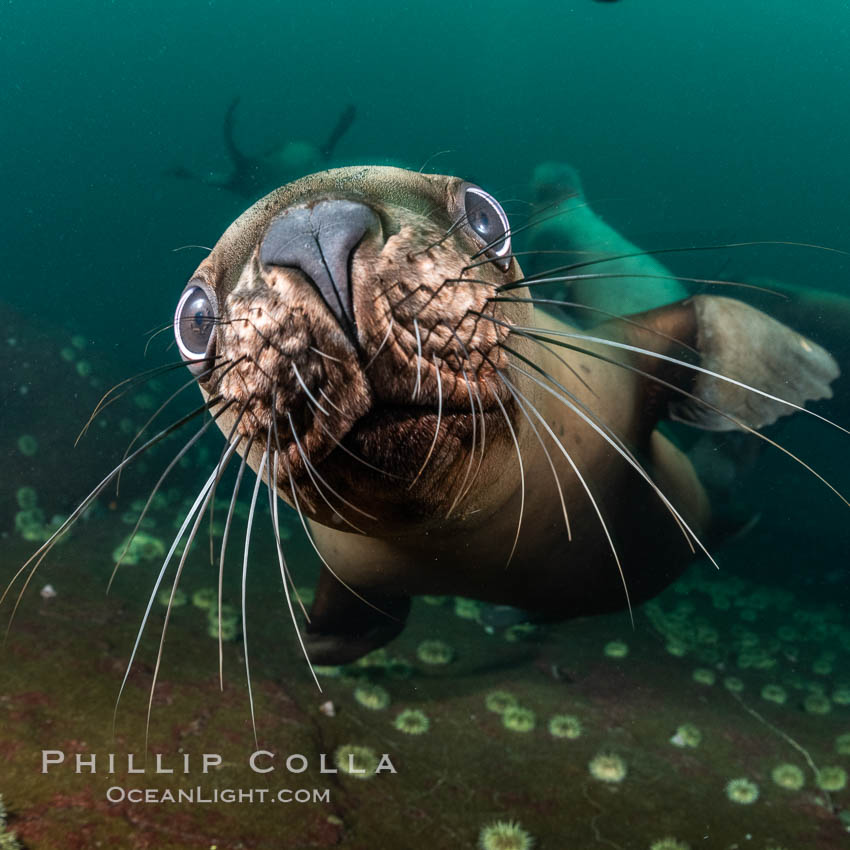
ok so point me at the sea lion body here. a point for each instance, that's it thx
(383, 366)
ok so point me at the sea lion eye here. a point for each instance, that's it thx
(488, 222)
(194, 324)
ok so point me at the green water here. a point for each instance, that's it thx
(689, 124)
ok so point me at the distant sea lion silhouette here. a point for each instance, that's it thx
(249, 176)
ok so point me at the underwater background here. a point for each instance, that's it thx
(690, 124)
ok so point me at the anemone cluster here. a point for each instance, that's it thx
(8, 839)
(30, 521)
(798, 649)
(504, 835)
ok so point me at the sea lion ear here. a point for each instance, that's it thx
(743, 344)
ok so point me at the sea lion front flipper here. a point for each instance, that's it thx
(748, 348)
(343, 627)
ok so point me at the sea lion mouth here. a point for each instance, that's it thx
(359, 326)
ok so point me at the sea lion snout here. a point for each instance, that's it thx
(318, 239)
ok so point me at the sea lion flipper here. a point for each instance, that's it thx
(742, 343)
(343, 627)
(752, 369)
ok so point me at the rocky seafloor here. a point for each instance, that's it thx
(722, 717)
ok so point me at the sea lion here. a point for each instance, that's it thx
(251, 175)
(368, 344)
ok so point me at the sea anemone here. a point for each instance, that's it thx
(500, 701)
(27, 498)
(504, 835)
(68, 354)
(467, 609)
(841, 695)
(788, 776)
(687, 735)
(27, 445)
(817, 703)
(358, 762)
(229, 630)
(164, 597)
(373, 697)
(229, 614)
(774, 693)
(607, 767)
(434, 652)
(831, 778)
(205, 597)
(565, 726)
(83, 368)
(616, 649)
(519, 719)
(733, 684)
(842, 744)
(704, 676)
(669, 843)
(822, 667)
(411, 721)
(742, 791)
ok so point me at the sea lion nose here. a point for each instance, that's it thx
(318, 240)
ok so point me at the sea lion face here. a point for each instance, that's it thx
(341, 320)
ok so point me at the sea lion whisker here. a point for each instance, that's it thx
(327, 398)
(175, 460)
(152, 417)
(352, 454)
(249, 526)
(678, 362)
(610, 437)
(439, 420)
(703, 402)
(465, 350)
(487, 260)
(219, 471)
(153, 334)
(383, 343)
(418, 386)
(521, 476)
(536, 280)
(105, 400)
(577, 305)
(312, 471)
(587, 490)
(44, 550)
(451, 229)
(224, 539)
(306, 389)
(533, 427)
(185, 247)
(274, 468)
(294, 490)
(325, 355)
(284, 570)
(177, 538)
(474, 417)
(688, 248)
(227, 441)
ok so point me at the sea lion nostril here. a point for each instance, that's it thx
(318, 240)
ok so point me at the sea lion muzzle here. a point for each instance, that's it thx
(318, 240)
